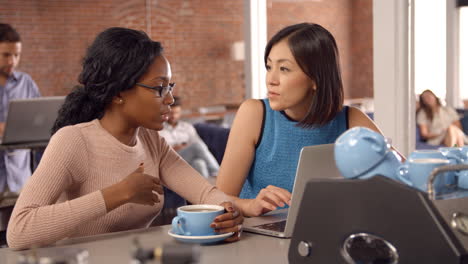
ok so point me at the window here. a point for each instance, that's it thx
(463, 59)
(430, 46)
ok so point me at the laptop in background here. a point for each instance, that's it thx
(30, 120)
(314, 162)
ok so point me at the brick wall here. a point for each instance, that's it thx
(349, 21)
(197, 35)
(55, 35)
(361, 50)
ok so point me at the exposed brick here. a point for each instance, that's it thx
(350, 22)
(197, 36)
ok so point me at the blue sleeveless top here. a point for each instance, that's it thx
(281, 141)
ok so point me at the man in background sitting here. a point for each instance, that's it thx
(183, 137)
(15, 166)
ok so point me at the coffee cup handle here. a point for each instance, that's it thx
(402, 174)
(178, 225)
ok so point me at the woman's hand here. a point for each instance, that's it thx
(141, 188)
(231, 221)
(268, 199)
(135, 188)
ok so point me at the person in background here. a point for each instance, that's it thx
(183, 137)
(105, 166)
(439, 124)
(304, 107)
(15, 166)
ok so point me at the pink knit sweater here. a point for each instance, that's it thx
(63, 197)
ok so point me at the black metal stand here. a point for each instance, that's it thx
(375, 221)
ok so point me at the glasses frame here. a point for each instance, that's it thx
(162, 90)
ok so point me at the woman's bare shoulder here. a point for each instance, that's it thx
(252, 105)
(248, 121)
(356, 117)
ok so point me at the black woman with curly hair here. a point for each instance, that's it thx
(105, 166)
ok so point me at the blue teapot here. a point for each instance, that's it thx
(457, 156)
(431, 154)
(426, 154)
(362, 153)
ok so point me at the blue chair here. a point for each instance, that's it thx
(464, 119)
(215, 137)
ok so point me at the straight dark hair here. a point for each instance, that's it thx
(316, 53)
(114, 62)
(426, 108)
(8, 34)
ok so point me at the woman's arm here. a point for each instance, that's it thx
(180, 177)
(36, 219)
(240, 148)
(357, 118)
(238, 158)
(423, 128)
(423, 122)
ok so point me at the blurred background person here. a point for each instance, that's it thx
(439, 124)
(183, 138)
(15, 165)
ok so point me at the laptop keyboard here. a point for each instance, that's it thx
(276, 226)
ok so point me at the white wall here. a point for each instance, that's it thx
(255, 28)
(452, 55)
(430, 47)
(393, 72)
(463, 52)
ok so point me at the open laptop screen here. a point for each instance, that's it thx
(30, 120)
(315, 162)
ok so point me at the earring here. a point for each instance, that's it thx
(120, 100)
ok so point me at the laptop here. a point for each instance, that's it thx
(30, 120)
(314, 162)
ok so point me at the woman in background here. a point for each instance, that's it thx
(304, 107)
(105, 165)
(439, 124)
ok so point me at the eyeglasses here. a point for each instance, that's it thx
(162, 90)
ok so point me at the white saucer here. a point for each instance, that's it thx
(200, 239)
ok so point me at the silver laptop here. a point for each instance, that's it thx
(314, 162)
(30, 120)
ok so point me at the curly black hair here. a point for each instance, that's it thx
(114, 62)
